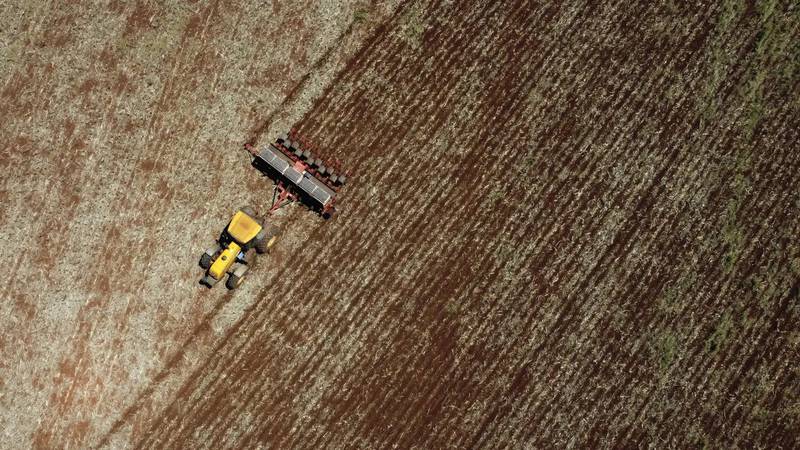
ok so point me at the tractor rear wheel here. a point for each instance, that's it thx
(205, 261)
(250, 257)
(234, 281)
(271, 233)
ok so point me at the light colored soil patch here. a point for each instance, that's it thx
(123, 129)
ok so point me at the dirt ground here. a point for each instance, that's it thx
(569, 225)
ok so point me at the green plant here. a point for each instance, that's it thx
(719, 59)
(664, 351)
(775, 52)
(793, 410)
(794, 339)
(669, 302)
(722, 333)
(360, 15)
(795, 266)
(452, 307)
(767, 284)
(413, 26)
(698, 438)
(496, 195)
(732, 232)
(755, 102)
(733, 237)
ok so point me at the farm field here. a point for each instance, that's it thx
(568, 225)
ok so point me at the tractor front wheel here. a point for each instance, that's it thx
(234, 281)
(205, 261)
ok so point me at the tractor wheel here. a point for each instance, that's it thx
(249, 211)
(250, 257)
(234, 281)
(271, 233)
(208, 280)
(205, 261)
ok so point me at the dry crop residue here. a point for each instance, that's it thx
(551, 239)
(122, 135)
(568, 225)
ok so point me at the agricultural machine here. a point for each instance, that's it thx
(235, 250)
(299, 174)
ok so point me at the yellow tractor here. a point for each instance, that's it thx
(234, 251)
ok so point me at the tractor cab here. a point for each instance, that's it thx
(234, 251)
(242, 229)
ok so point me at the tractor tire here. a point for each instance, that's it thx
(208, 281)
(250, 257)
(271, 233)
(205, 261)
(249, 211)
(234, 281)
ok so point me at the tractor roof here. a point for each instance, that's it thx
(243, 228)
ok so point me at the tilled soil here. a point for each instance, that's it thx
(567, 225)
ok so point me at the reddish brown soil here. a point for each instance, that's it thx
(566, 226)
(495, 278)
